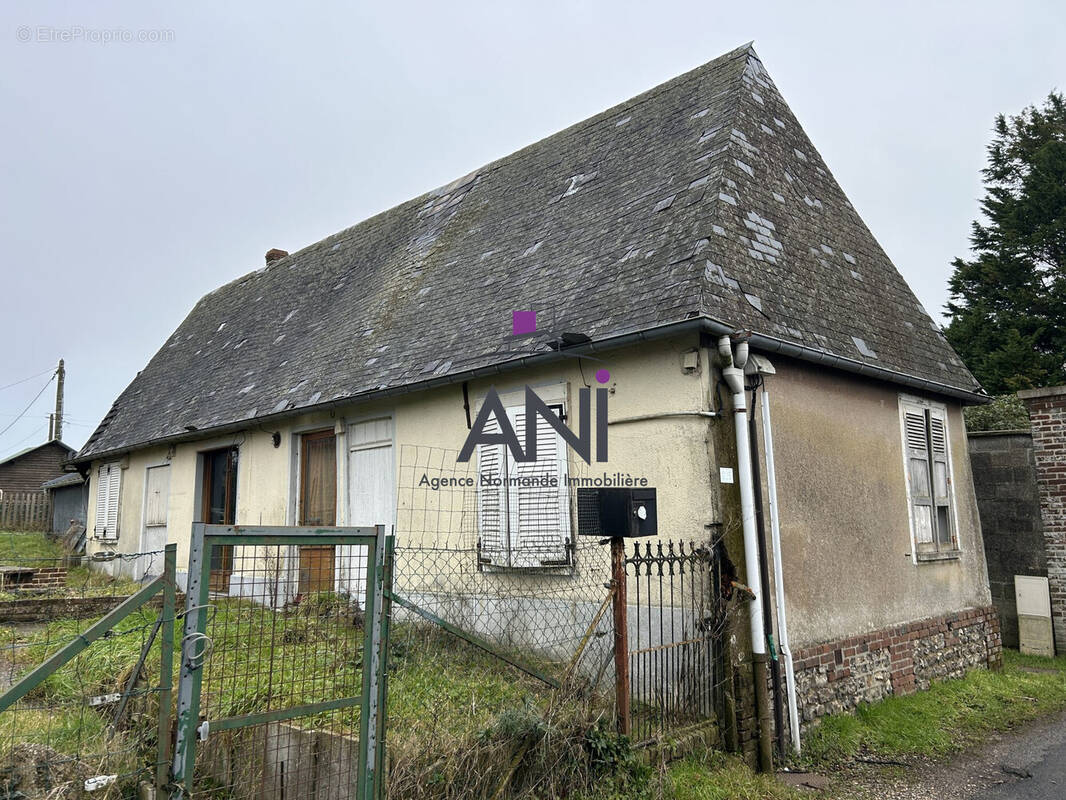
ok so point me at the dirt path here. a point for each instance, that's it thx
(1029, 762)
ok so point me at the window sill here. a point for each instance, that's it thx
(947, 555)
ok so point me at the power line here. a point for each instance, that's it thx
(24, 380)
(36, 432)
(27, 408)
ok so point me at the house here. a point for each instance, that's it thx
(24, 505)
(27, 469)
(321, 388)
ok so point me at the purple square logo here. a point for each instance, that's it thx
(523, 322)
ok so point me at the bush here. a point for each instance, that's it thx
(1004, 413)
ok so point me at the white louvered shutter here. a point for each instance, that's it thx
(941, 478)
(101, 501)
(108, 477)
(916, 443)
(539, 515)
(492, 500)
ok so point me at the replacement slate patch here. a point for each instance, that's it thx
(863, 348)
(665, 203)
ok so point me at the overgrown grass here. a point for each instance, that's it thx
(34, 549)
(712, 777)
(947, 717)
(18, 545)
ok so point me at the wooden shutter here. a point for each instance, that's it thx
(539, 515)
(157, 491)
(492, 500)
(916, 445)
(108, 477)
(941, 478)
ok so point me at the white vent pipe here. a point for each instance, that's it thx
(734, 357)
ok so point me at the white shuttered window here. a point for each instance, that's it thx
(108, 479)
(524, 507)
(928, 468)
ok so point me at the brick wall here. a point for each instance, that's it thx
(26, 579)
(1047, 416)
(1008, 498)
(837, 676)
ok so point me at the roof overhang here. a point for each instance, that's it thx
(701, 324)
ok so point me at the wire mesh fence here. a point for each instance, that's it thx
(503, 673)
(501, 677)
(92, 724)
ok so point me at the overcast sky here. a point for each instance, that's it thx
(137, 176)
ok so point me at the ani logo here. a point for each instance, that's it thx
(524, 326)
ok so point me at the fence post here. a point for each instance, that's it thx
(621, 636)
(388, 561)
(166, 669)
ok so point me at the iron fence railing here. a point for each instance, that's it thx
(677, 618)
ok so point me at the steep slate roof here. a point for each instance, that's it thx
(701, 197)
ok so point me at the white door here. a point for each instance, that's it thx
(371, 494)
(154, 533)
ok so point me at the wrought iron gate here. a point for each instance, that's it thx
(281, 687)
(676, 622)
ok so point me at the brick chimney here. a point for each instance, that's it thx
(273, 254)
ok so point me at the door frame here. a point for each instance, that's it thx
(322, 432)
(143, 540)
(204, 510)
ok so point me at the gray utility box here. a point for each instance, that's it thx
(617, 512)
(1033, 597)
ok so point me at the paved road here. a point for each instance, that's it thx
(1026, 764)
(1041, 754)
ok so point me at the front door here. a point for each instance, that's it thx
(219, 507)
(318, 506)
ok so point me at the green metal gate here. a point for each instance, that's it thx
(282, 685)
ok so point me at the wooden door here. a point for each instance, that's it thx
(371, 493)
(318, 506)
(154, 534)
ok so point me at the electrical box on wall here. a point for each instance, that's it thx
(617, 512)
(1033, 597)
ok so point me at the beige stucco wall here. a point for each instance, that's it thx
(673, 453)
(844, 515)
(846, 538)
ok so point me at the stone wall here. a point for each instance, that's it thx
(1004, 478)
(1047, 416)
(837, 676)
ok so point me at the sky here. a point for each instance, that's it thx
(151, 152)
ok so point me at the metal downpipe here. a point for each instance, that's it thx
(779, 575)
(734, 358)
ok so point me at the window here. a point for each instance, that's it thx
(108, 479)
(928, 472)
(524, 507)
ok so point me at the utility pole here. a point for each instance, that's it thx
(57, 431)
